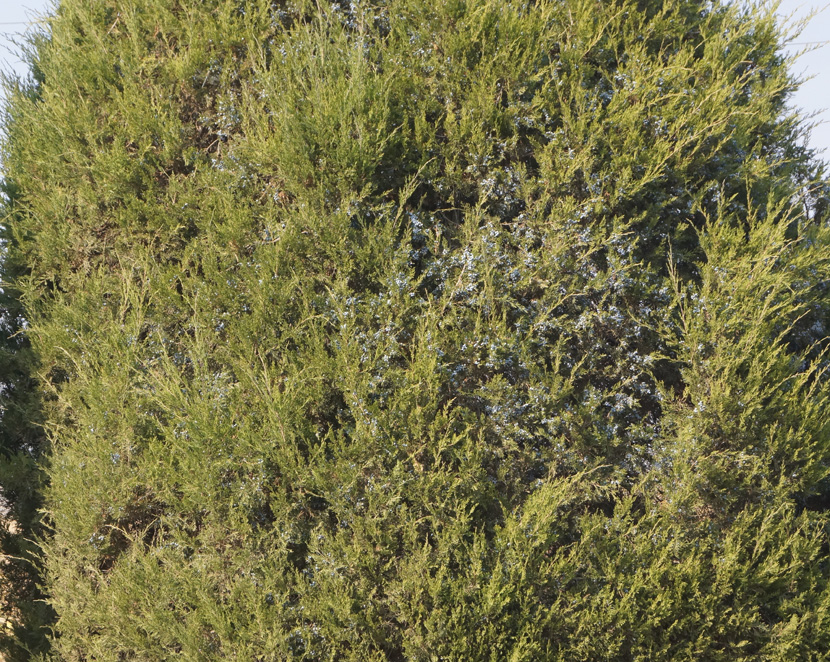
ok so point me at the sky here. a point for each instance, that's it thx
(15, 15)
(813, 97)
(814, 94)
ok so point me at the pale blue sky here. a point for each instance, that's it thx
(14, 17)
(814, 96)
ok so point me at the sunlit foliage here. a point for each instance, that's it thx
(425, 330)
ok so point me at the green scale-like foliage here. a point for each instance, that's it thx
(425, 330)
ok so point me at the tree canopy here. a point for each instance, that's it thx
(419, 330)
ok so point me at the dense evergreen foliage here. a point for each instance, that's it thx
(23, 614)
(422, 330)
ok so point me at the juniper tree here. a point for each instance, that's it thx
(21, 444)
(421, 330)
(23, 613)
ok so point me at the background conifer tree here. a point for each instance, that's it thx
(23, 615)
(424, 330)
